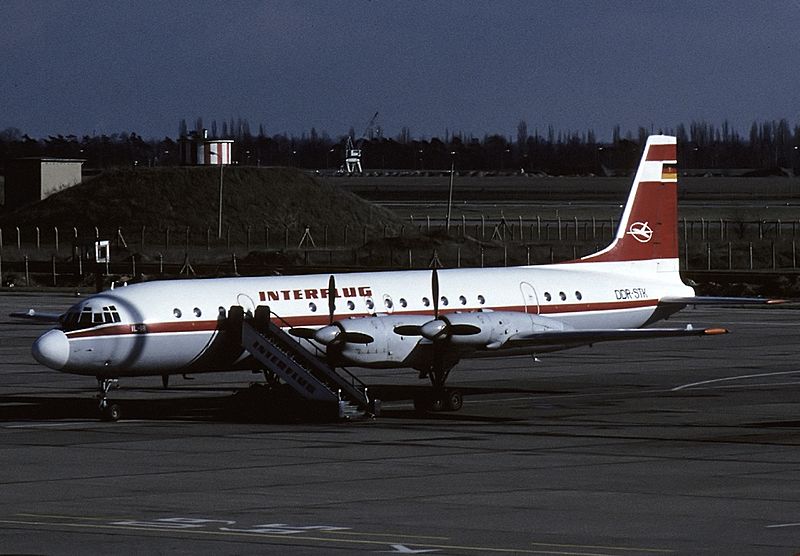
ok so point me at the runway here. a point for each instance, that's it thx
(676, 446)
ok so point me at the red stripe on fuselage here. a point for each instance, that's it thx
(322, 320)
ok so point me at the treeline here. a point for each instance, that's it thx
(770, 147)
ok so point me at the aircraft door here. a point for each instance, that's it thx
(529, 298)
(246, 302)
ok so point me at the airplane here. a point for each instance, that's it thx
(419, 319)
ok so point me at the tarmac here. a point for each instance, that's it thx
(675, 446)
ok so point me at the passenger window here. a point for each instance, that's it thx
(388, 303)
(562, 295)
(426, 302)
(313, 307)
(197, 312)
(351, 305)
(403, 302)
(444, 301)
(547, 296)
(177, 313)
(481, 300)
(578, 295)
(370, 304)
(462, 299)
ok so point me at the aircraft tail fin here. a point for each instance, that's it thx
(648, 228)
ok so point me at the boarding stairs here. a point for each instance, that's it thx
(306, 373)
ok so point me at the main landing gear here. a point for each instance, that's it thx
(108, 410)
(439, 398)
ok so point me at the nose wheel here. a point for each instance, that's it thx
(109, 411)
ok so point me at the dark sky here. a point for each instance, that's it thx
(475, 67)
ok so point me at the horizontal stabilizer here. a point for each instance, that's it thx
(591, 336)
(33, 314)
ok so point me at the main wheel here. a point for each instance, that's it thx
(454, 400)
(111, 412)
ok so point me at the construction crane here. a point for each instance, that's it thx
(352, 151)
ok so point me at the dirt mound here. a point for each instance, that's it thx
(188, 197)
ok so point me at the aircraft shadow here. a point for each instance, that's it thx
(255, 404)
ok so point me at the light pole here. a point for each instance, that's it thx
(219, 226)
(450, 195)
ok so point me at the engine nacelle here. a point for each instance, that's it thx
(495, 328)
(388, 349)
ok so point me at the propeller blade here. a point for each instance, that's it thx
(464, 330)
(408, 330)
(358, 338)
(331, 298)
(306, 333)
(435, 292)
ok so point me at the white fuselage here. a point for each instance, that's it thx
(168, 327)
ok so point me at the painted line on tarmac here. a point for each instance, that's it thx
(306, 538)
(731, 378)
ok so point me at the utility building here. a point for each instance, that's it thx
(32, 179)
(198, 149)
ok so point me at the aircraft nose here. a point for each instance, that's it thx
(51, 349)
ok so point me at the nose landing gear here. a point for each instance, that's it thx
(109, 411)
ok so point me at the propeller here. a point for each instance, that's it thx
(335, 334)
(439, 327)
(332, 331)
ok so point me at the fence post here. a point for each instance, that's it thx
(187, 238)
(558, 222)
(55, 232)
(19, 240)
(161, 263)
(482, 257)
(751, 255)
(730, 256)
(708, 256)
(410, 264)
(208, 238)
(38, 239)
(54, 270)
(774, 258)
(458, 257)
(1, 239)
(27, 273)
(143, 229)
(166, 239)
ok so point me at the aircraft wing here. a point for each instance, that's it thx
(560, 338)
(33, 314)
(718, 300)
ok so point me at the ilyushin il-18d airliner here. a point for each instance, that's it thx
(303, 330)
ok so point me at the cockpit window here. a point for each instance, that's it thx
(88, 317)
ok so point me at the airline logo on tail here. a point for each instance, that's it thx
(641, 232)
